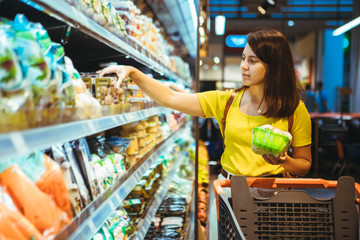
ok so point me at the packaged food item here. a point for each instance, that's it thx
(71, 158)
(270, 140)
(16, 101)
(46, 174)
(36, 69)
(36, 206)
(106, 92)
(120, 145)
(59, 156)
(133, 145)
(133, 205)
(13, 225)
(137, 192)
(82, 153)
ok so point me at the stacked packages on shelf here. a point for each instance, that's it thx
(172, 218)
(124, 19)
(41, 192)
(39, 85)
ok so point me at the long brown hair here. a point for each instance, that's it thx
(282, 90)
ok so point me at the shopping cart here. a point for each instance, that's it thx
(291, 213)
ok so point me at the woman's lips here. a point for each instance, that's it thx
(245, 75)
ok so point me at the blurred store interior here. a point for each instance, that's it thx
(319, 56)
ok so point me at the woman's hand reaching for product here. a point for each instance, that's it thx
(121, 72)
(273, 160)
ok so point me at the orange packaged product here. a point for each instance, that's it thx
(13, 225)
(52, 183)
(35, 205)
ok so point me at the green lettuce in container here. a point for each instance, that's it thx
(270, 140)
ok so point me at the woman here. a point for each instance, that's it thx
(270, 95)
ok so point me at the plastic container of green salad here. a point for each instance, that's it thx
(270, 140)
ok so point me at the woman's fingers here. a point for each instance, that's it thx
(271, 159)
(119, 70)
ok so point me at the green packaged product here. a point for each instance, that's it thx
(269, 140)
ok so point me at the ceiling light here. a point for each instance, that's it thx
(216, 60)
(201, 31)
(265, 5)
(201, 20)
(346, 27)
(262, 9)
(215, 67)
(220, 25)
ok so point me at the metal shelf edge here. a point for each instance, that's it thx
(22, 142)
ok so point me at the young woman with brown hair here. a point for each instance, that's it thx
(270, 95)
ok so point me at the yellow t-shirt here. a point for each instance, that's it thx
(238, 158)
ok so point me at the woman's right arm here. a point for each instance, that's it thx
(184, 102)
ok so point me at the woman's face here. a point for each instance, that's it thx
(252, 68)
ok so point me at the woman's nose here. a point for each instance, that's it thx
(243, 65)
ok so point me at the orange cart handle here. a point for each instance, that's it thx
(284, 183)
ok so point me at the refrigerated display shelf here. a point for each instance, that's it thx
(23, 142)
(94, 215)
(192, 217)
(63, 11)
(157, 200)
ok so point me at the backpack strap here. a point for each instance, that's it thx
(227, 107)
(290, 122)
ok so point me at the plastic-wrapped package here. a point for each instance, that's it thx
(84, 192)
(119, 146)
(46, 174)
(15, 94)
(33, 62)
(270, 140)
(52, 182)
(84, 100)
(36, 206)
(82, 153)
(13, 225)
(85, 7)
(67, 92)
(59, 156)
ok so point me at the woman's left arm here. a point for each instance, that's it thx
(298, 164)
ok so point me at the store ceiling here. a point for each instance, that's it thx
(307, 15)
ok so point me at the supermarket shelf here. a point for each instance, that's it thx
(23, 142)
(93, 216)
(157, 200)
(63, 11)
(190, 229)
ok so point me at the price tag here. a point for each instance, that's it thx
(19, 143)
